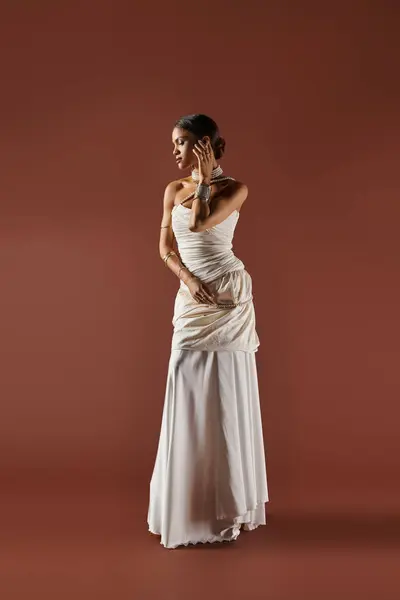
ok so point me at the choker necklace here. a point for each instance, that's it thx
(217, 172)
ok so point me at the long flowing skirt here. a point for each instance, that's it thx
(209, 477)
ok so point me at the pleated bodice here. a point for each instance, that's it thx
(207, 254)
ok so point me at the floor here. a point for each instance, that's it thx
(95, 545)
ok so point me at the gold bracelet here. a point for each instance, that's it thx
(179, 272)
(165, 226)
(166, 256)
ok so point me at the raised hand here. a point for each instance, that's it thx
(206, 159)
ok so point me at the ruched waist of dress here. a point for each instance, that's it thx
(227, 325)
(211, 267)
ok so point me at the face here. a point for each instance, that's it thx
(183, 143)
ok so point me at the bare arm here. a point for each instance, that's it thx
(201, 217)
(166, 243)
(199, 290)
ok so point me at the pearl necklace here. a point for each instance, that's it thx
(217, 172)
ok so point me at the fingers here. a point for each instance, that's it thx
(204, 149)
(205, 297)
(206, 146)
(203, 294)
(197, 153)
(203, 146)
(201, 298)
(209, 295)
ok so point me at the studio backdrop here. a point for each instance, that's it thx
(306, 99)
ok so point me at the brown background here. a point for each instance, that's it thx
(307, 96)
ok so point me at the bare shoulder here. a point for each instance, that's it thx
(170, 192)
(235, 190)
(241, 187)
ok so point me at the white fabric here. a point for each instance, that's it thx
(207, 254)
(209, 476)
(207, 327)
(209, 473)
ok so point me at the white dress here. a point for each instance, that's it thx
(209, 477)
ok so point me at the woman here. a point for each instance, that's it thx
(209, 477)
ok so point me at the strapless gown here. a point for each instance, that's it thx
(209, 477)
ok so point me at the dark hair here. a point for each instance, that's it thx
(201, 125)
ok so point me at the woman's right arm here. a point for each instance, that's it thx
(166, 245)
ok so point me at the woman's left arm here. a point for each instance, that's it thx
(225, 206)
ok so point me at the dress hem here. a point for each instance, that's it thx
(217, 538)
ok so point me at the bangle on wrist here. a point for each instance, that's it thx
(203, 192)
(179, 273)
